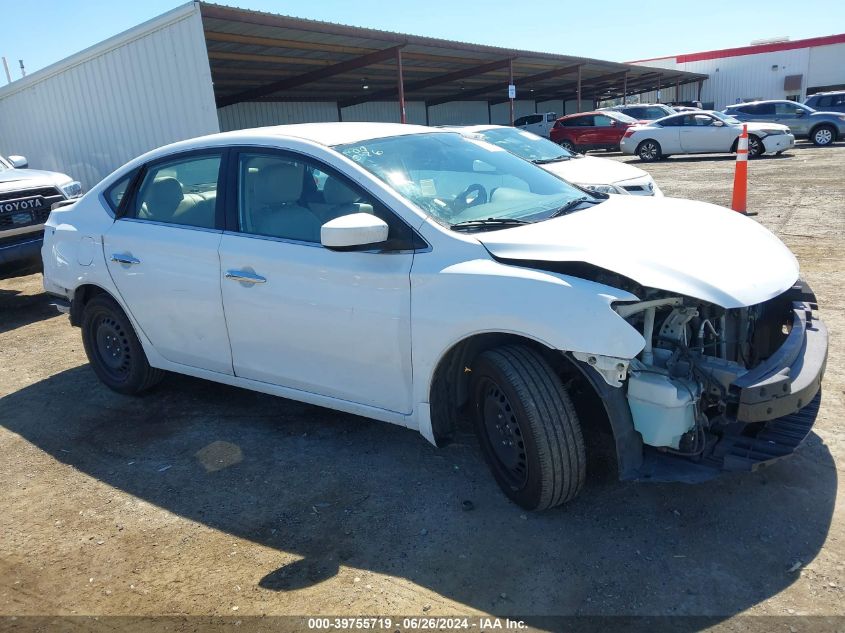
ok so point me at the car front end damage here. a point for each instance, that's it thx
(713, 389)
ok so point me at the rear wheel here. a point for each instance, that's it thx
(568, 145)
(527, 426)
(113, 349)
(823, 135)
(649, 151)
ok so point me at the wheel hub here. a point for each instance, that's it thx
(824, 136)
(112, 346)
(504, 434)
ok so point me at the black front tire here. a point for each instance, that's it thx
(113, 349)
(755, 146)
(528, 428)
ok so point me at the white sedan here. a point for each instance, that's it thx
(702, 132)
(420, 277)
(595, 174)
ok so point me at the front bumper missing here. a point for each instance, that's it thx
(791, 377)
(776, 405)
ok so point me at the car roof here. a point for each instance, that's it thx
(478, 128)
(575, 114)
(331, 133)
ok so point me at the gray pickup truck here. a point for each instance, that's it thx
(26, 197)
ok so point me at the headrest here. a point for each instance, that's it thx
(165, 195)
(279, 183)
(336, 193)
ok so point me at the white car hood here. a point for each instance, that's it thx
(754, 126)
(691, 248)
(593, 171)
(16, 179)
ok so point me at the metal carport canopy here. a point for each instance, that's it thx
(256, 56)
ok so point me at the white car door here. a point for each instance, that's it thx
(301, 315)
(702, 133)
(162, 257)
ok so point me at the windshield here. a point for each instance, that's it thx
(457, 179)
(621, 116)
(727, 118)
(526, 145)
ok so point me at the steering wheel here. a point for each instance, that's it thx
(471, 196)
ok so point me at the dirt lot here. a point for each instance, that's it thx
(205, 499)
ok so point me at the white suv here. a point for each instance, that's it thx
(418, 277)
(539, 124)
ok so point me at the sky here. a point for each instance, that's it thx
(45, 31)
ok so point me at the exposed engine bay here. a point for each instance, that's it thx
(683, 389)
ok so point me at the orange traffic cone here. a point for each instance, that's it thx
(740, 194)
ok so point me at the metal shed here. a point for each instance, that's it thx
(202, 68)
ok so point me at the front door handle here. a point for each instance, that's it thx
(124, 259)
(245, 276)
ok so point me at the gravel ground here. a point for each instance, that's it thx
(206, 499)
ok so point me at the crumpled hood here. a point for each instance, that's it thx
(754, 126)
(593, 171)
(692, 248)
(14, 179)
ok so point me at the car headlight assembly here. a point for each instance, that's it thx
(604, 189)
(72, 189)
(773, 132)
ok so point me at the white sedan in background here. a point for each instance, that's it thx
(702, 132)
(595, 174)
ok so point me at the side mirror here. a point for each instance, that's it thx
(718, 123)
(18, 162)
(353, 230)
(799, 112)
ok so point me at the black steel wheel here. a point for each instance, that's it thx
(113, 349)
(527, 427)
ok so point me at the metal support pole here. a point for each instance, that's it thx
(401, 83)
(659, 77)
(625, 89)
(677, 90)
(577, 93)
(700, 84)
(510, 83)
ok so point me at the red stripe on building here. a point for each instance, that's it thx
(826, 40)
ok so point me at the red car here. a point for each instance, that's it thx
(591, 130)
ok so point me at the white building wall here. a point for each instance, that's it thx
(827, 66)
(261, 113)
(92, 112)
(385, 111)
(458, 113)
(758, 76)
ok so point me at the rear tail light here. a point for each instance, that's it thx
(628, 133)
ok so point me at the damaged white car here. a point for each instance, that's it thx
(419, 277)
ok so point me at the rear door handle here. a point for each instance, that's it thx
(245, 276)
(124, 259)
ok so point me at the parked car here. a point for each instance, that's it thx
(432, 276)
(595, 174)
(827, 101)
(703, 132)
(591, 130)
(539, 124)
(822, 128)
(643, 111)
(681, 108)
(26, 196)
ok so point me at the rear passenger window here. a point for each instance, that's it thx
(114, 194)
(289, 197)
(182, 192)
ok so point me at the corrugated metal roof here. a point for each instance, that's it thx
(250, 51)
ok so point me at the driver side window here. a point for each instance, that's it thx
(291, 197)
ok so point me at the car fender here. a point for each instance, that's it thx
(452, 303)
